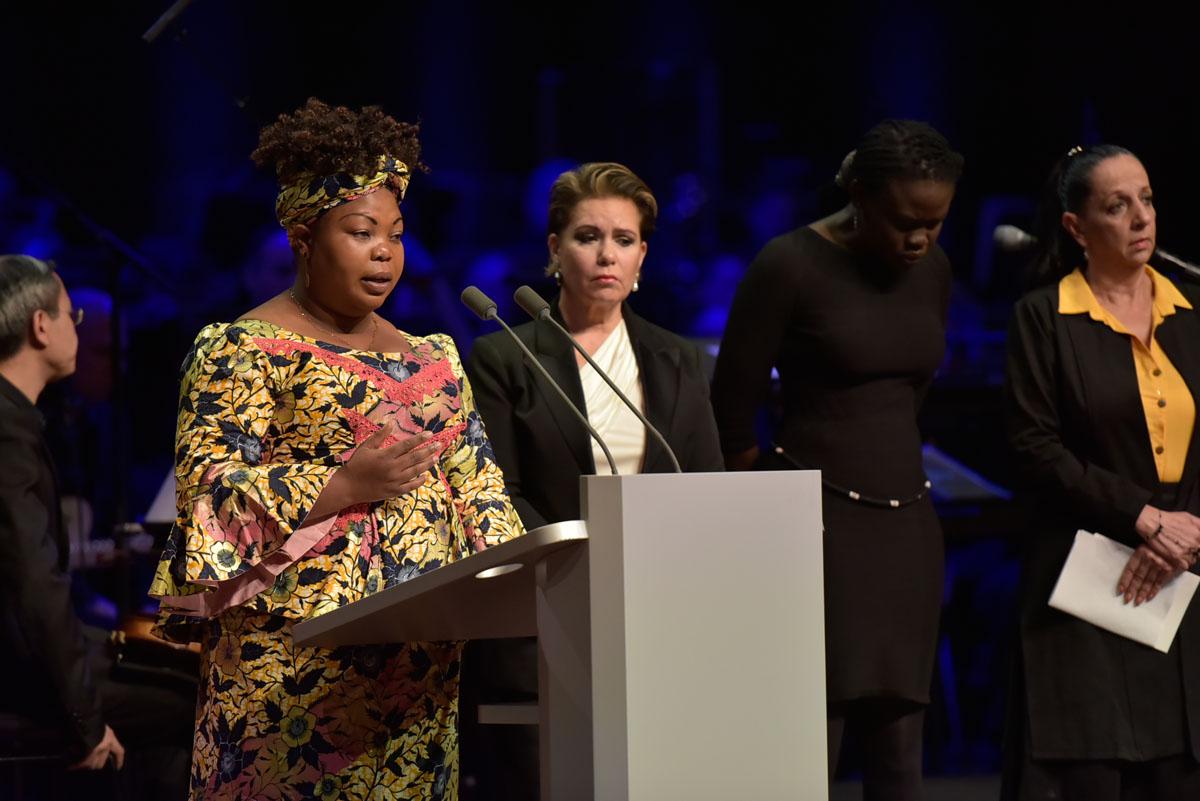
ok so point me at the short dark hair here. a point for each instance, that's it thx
(26, 285)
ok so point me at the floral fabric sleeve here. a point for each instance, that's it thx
(235, 505)
(476, 482)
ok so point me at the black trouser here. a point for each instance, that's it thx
(889, 732)
(154, 719)
(156, 723)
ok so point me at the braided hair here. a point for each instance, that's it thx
(900, 149)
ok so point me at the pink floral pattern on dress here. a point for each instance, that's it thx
(266, 418)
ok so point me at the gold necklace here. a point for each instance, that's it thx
(339, 335)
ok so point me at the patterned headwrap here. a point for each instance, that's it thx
(309, 196)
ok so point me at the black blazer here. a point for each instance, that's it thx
(45, 667)
(1075, 420)
(539, 444)
(1075, 416)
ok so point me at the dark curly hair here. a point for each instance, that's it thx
(326, 140)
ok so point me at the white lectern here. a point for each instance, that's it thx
(680, 633)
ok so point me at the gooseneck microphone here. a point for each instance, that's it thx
(537, 308)
(1013, 239)
(485, 308)
(1177, 262)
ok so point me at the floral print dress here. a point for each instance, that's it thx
(266, 417)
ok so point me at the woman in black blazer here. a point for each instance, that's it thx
(600, 217)
(1103, 369)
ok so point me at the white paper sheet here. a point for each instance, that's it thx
(1087, 589)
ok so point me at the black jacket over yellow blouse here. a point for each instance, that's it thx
(1076, 421)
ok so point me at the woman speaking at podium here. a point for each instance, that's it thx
(322, 455)
(851, 311)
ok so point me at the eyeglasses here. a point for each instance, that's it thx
(76, 315)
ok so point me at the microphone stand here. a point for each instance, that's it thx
(537, 308)
(485, 308)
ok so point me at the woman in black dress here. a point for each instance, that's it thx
(851, 311)
(1103, 368)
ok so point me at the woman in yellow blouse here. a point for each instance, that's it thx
(322, 454)
(1103, 370)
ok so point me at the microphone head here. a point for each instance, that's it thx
(483, 306)
(1010, 237)
(533, 303)
(1169, 258)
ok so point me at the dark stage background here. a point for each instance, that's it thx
(128, 164)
